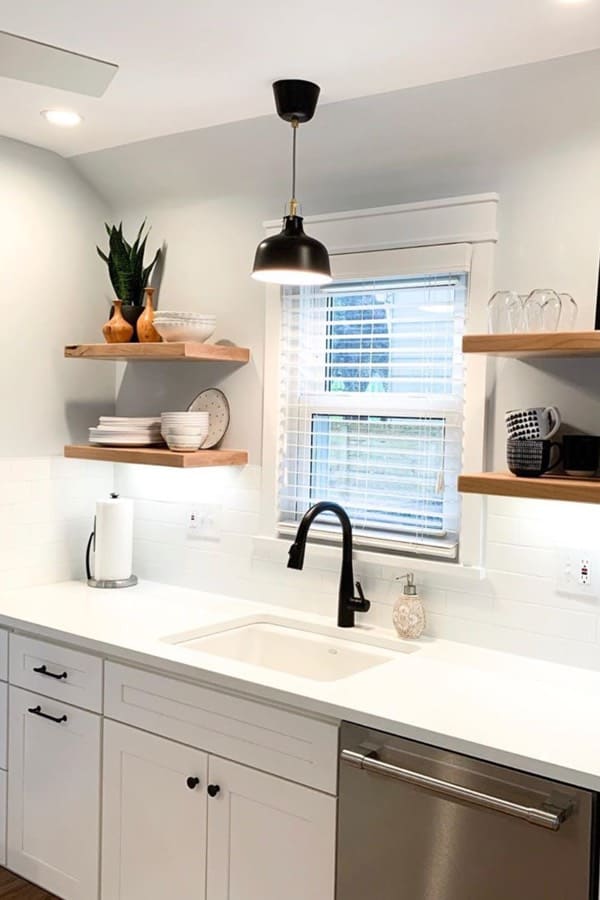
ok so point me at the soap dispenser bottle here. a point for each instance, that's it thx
(409, 612)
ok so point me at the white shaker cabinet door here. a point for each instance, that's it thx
(54, 795)
(3, 792)
(154, 817)
(268, 839)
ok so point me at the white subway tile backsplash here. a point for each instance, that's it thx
(46, 514)
(242, 500)
(522, 560)
(47, 508)
(524, 532)
(160, 532)
(237, 522)
(514, 607)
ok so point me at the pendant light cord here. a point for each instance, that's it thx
(293, 201)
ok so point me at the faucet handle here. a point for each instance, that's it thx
(362, 604)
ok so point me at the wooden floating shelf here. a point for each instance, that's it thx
(191, 351)
(550, 344)
(158, 456)
(548, 487)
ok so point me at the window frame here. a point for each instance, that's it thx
(427, 227)
(447, 407)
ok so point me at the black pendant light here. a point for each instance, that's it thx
(292, 257)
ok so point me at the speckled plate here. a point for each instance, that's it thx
(214, 402)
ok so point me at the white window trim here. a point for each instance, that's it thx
(469, 219)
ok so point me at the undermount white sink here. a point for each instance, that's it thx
(295, 651)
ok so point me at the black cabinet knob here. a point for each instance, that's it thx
(192, 783)
(213, 790)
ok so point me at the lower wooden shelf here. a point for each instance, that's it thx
(158, 456)
(548, 487)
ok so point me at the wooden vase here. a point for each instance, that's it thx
(117, 330)
(146, 332)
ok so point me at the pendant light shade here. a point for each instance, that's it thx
(292, 257)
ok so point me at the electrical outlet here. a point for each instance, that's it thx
(577, 573)
(204, 523)
(584, 575)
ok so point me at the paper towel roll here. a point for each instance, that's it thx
(114, 539)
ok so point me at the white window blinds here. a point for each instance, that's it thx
(372, 400)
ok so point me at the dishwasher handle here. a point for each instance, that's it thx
(541, 817)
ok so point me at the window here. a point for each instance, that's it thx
(372, 407)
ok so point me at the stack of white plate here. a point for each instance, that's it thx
(184, 326)
(185, 430)
(126, 431)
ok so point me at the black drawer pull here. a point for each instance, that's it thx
(42, 670)
(213, 790)
(192, 783)
(37, 711)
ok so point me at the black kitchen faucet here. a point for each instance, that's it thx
(348, 604)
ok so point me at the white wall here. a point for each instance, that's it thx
(53, 293)
(525, 133)
(206, 268)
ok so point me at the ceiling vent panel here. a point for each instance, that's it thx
(26, 60)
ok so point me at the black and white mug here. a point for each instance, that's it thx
(533, 457)
(534, 423)
(581, 453)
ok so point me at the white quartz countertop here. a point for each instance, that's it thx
(532, 715)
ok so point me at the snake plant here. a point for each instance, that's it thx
(125, 264)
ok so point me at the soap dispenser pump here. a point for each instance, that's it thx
(409, 612)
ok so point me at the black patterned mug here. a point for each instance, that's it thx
(535, 422)
(532, 458)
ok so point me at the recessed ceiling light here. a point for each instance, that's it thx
(66, 118)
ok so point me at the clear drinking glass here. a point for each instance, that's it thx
(505, 313)
(542, 310)
(568, 316)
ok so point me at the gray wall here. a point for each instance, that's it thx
(531, 133)
(52, 295)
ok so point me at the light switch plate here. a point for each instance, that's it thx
(204, 522)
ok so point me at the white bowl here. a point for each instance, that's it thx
(185, 322)
(163, 318)
(185, 429)
(172, 314)
(183, 443)
(185, 423)
(180, 427)
(176, 435)
(184, 331)
(186, 415)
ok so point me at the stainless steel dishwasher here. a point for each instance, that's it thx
(419, 823)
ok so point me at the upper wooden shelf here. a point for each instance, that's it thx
(189, 350)
(551, 344)
(548, 487)
(158, 456)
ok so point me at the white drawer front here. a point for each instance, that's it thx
(287, 744)
(3, 655)
(57, 672)
(3, 794)
(3, 725)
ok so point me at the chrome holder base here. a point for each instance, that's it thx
(118, 583)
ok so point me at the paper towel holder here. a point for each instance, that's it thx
(103, 582)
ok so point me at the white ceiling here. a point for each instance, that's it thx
(186, 65)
